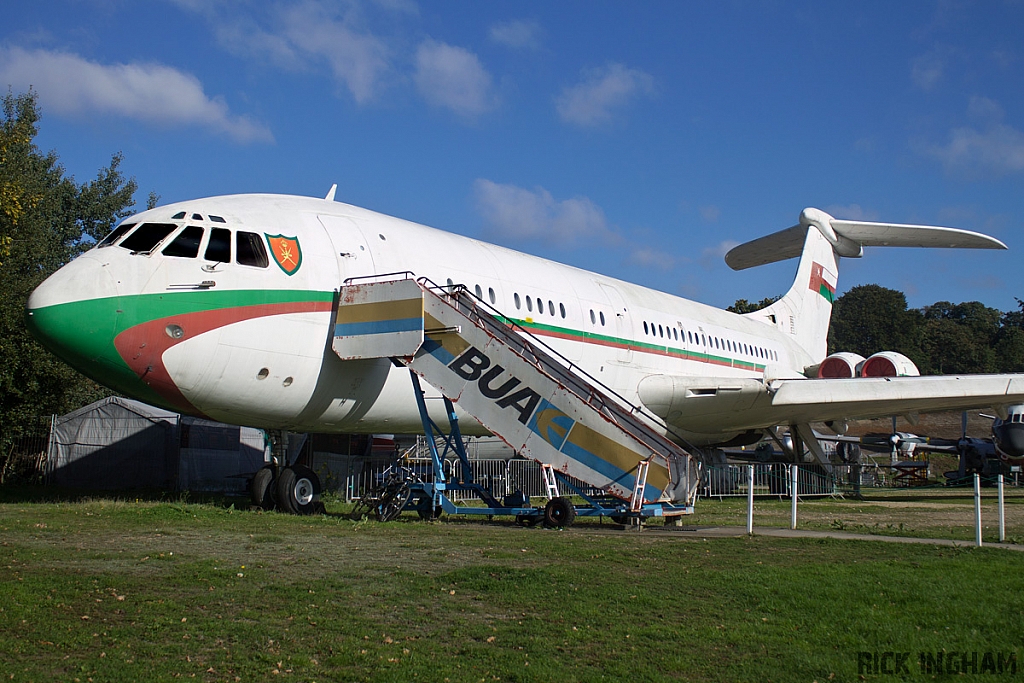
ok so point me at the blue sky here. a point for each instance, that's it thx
(640, 140)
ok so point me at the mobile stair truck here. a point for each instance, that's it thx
(545, 408)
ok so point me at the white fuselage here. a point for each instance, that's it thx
(254, 345)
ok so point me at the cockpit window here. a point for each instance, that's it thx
(219, 248)
(147, 236)
(116, 234)
(217, 219)
(249, 250)
(197, 217)
(186, 244)
(178, 216)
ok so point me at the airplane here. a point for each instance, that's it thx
(224, 307)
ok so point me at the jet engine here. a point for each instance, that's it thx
(840, 365)
(889, 364)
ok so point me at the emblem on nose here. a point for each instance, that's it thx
(286, 251)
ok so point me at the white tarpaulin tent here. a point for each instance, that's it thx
(117, 443)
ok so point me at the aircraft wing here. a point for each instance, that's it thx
(723, 405)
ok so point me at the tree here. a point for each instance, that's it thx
(869, 318)
(744, 306)
(1009, 342)
(960, 338)
(46, 219)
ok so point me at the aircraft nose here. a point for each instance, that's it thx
(73, 313)
(1011, 438)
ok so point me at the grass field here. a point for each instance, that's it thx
(103, 590)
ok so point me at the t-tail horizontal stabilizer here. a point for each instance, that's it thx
(819, 240)
(848, 238)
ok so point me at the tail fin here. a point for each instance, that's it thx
(819, 240)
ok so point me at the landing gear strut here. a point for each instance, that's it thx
(294, 489)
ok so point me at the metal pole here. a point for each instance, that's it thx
(977, 509)
(1002, 512)
(750, 499)
(794, 471)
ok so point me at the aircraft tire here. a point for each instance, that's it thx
(261, 489)
(423, 509)
(559, 512)
(298, 490)
(527, 520)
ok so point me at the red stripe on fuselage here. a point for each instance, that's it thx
(142, 347)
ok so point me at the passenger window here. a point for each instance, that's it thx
(593, 318)
(601, 315)
(561, 309)
(219, 247)
(186, 244)
(675, 334)
(147, 236)
(115, 234)
(516, 297)
(551, 307)
(490, 295)
(645, 327)
(249, 250)
(529, 304)
(479, 292)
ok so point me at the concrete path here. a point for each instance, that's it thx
(735, 531)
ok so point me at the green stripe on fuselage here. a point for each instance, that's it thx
(82, 332)
(643, 347)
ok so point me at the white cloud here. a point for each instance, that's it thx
(359, 60)
(603, 90)
(713, 256)
(927, 70)
(523, 214)
(989, 147)
(649, 257)
(710, 213)
(71, 85)
(851, 212)
(984, 110)
(452, 77)
(300, 35)
(997, 149)
(517, 34)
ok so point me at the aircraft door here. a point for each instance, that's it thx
(350, 248)
(620, 323)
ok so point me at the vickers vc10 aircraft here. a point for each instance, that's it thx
(225, 307)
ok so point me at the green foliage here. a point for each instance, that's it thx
(744, 306)
(870, 318)
(46, 219)
(943, 338)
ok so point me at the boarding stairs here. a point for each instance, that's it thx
(515, 387)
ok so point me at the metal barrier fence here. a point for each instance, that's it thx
(774, 479)
(24, 457)
(501, 477)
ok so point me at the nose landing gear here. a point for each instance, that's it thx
(295, 490)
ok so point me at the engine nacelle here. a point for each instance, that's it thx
(889, 364)
(842, 365)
